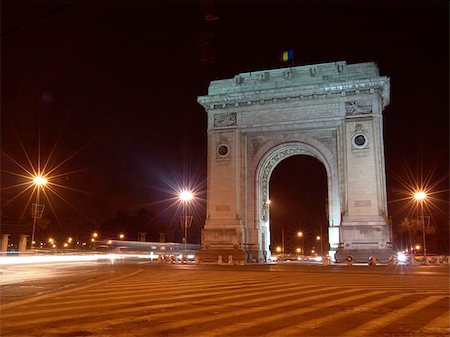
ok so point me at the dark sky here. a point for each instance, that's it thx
(112, 87)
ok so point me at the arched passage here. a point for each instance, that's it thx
(267, 165)
(299, 203)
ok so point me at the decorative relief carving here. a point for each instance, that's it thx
(270, 165)
(358, 107)
(256, 145)
(223, 149)
(239, 80)
(264, 77)
(359, 138)
(363, 203)
(287, 75)
(360, 128)
(225, 120)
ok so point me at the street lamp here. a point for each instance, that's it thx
(185, 197)
(39, 182)
(318, 238)
(300, 235)
(420, 197)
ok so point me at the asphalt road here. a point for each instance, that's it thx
(136, 298)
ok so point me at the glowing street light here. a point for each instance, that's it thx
(420, 197)
(39, 180)
(95, 235)
(185, 197)
(278, 249)
(319, 238)
(300, 235)
(121, 236)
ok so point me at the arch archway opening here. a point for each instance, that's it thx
(298, 217)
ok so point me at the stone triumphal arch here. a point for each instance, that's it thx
(330, 111)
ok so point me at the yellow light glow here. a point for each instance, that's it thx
(92, 240)
(318, 238)
(300, 234)
(121, 236)
(66, 245)
(50, 240)
(95, 234)
(417, 247)
(109, 242)
(39, 180)
(298, 250)
(278, 249)
(420, 195)
(186, 196)
(69, 240)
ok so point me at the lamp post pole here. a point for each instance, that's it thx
(185, 197)
(302, 247)
(39, 181)
(185, 226)
(420, 197)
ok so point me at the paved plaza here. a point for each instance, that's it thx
(147, 299)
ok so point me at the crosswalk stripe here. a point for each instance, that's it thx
(183, 323)
(134, 309)
(207, 309)
(366, 328)
(7, 306)
(306, 325)
(160, 289)
(439, 325)
(106, 303)
(282, 315)
(229, 305)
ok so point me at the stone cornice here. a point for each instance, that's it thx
(277, 87)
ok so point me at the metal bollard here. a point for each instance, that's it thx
(197, 260)
(230, 259)
(325, 260)
(220, 259)
(372, 261)
(159, 259)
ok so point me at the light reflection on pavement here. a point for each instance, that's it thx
(16, 269)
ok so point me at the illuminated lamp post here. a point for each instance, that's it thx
(420, 197)
(300, 235)
(185, 197)
(39, 182)
(318, 238)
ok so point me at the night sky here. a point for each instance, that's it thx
(110, 89)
